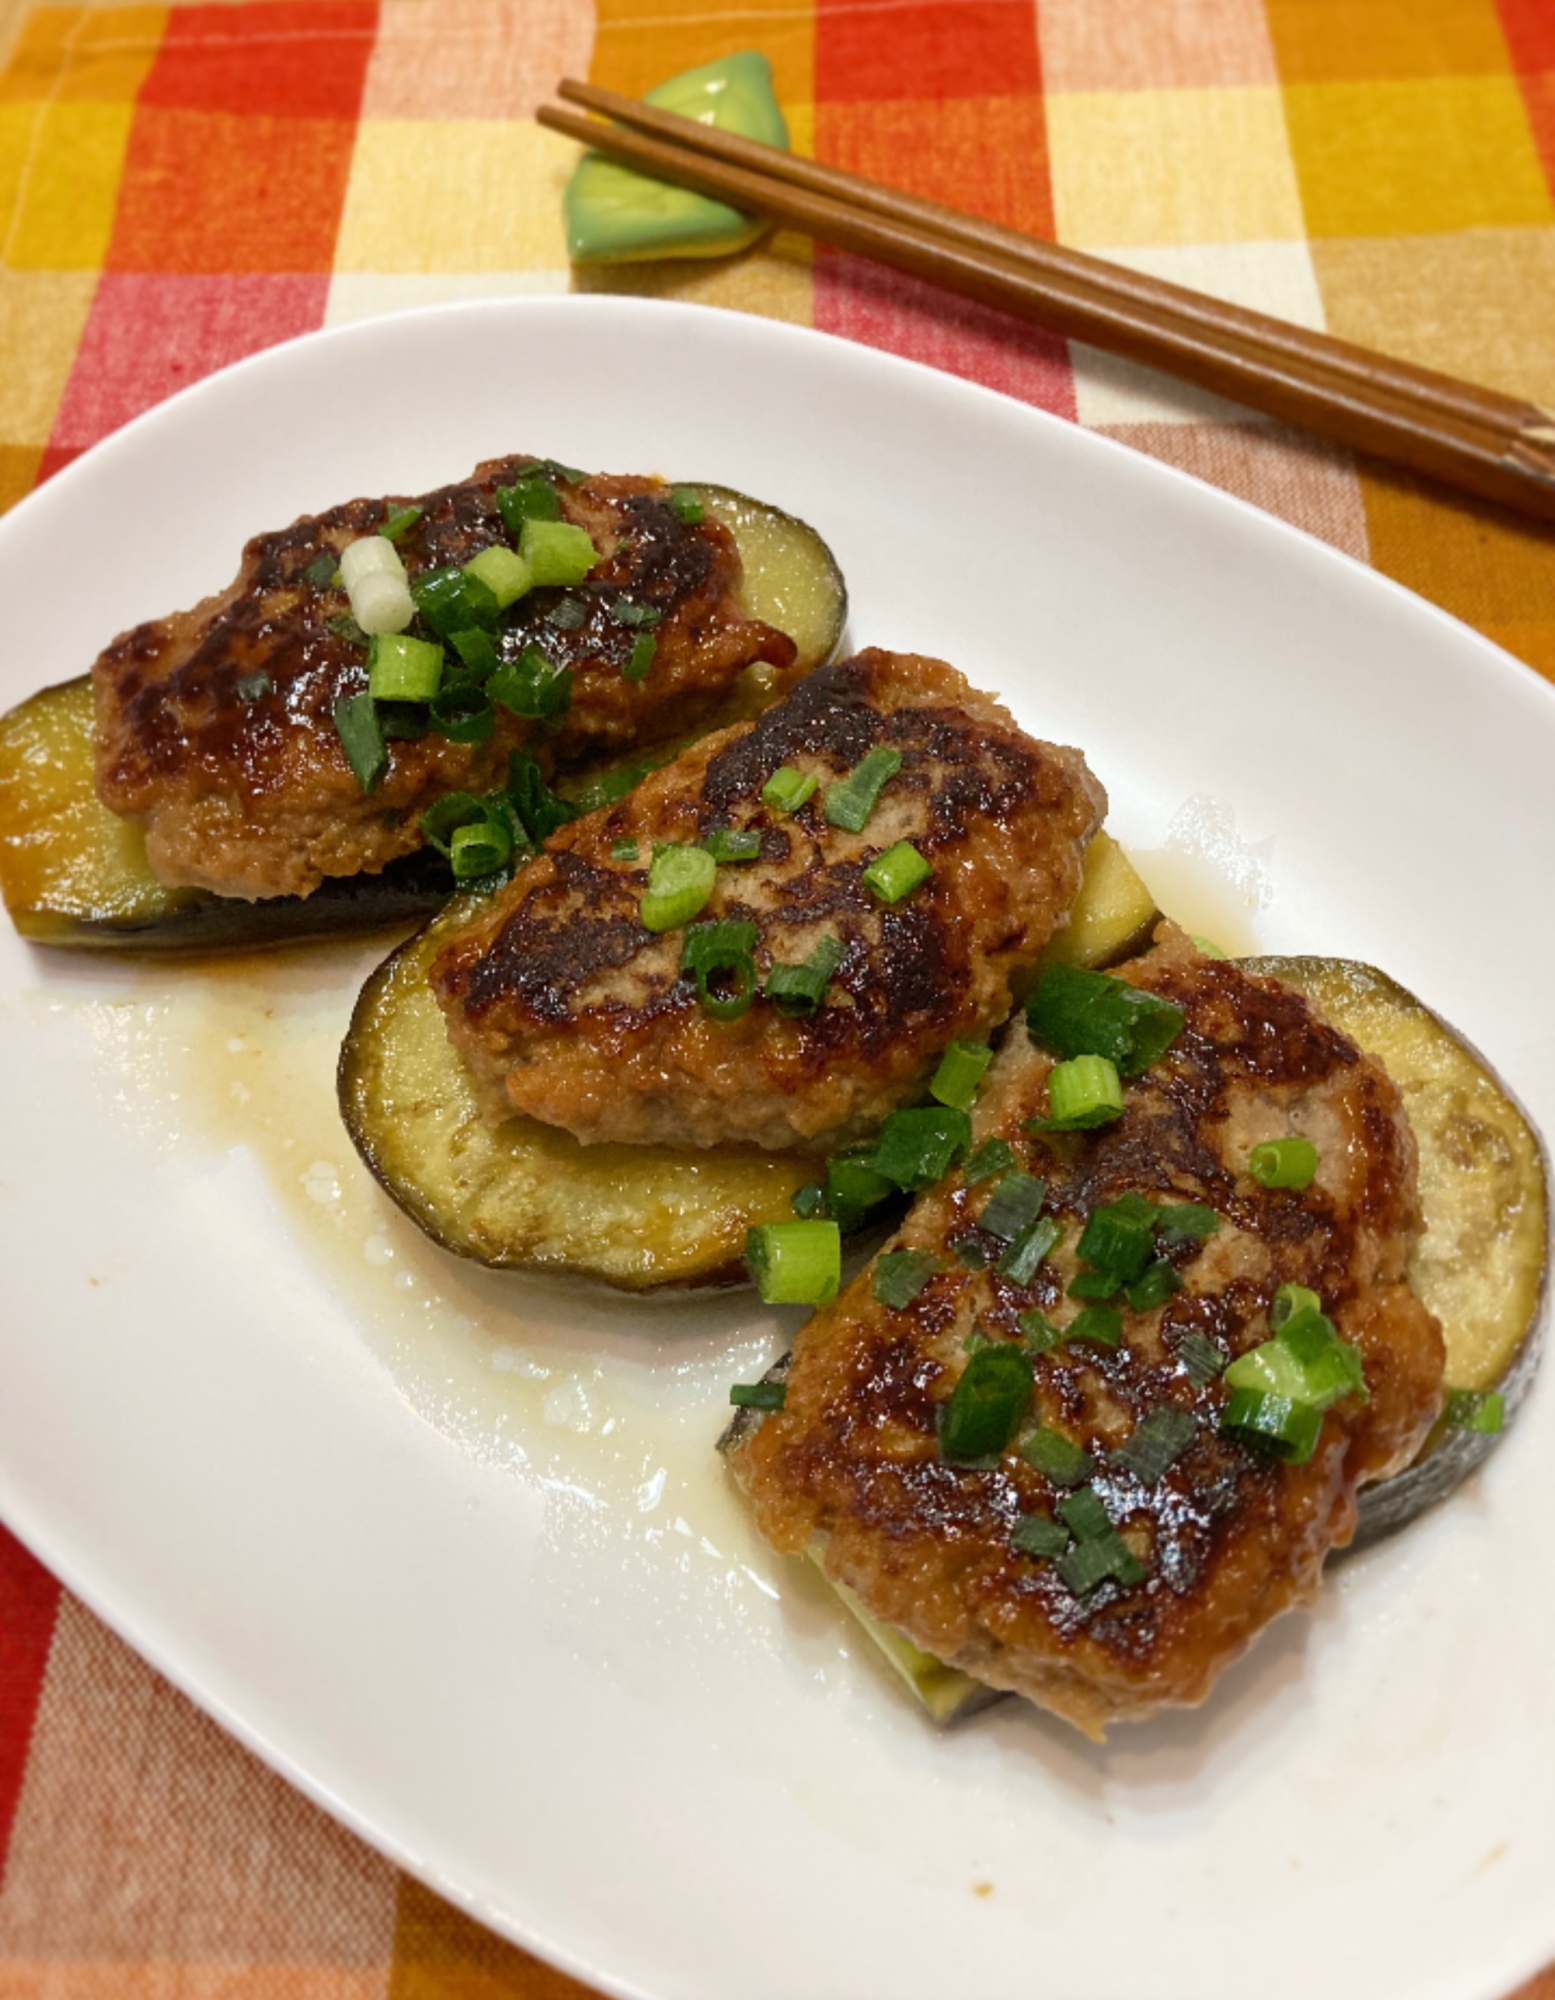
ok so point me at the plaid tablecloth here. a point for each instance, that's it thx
(181, 185)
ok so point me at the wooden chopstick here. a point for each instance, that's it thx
(1471, 437)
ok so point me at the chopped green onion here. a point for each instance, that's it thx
(1038, 1332)
(625, 849)
(1085, 1515)
(556, 552)
(853, 1188)
(567, 614)
(1082, 1094)
(1118, 1237)
(504, 573)
(540, 812)
(680, 880)
(1092, 1562)
(799, 989)
(477, 655)
(532, 686)
(476, 834)
(960, 1072)
(1075, 1012)
(1287, 1429)
(452, 600)
(686, 505)
(897, 872)
(758, 1395)
(406, 721)
(808, 1200)
(1481, 1410)
(1158, 1441)
(356, 724)
(1021, 1261)
(1291, 1299)
(398, 522)
(345, 627)
(400, 668)
(639, 662)
(322, 571)
(851, 800)
(479, 850)
(795, 1263)
(1013, 1205)
(993, 1156)
(1306, 1362)
(254, 687)
(1036, 1535)
(376, 584)
(917, 1148)
(1058, 1458)
(1094, 1285)
(1186, 1222)
(971, 1252)
(625, 612)
(1283, 1163)
(1153, 1287)
(1103, 1324)
(787, 789)
(528, 500)
(726, 844)
(719, 957)
(900, 1275)
(987, 1405)
(1201, 1357)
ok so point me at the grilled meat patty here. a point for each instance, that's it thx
(215, 726)
(570, 1010)
(1227, 1537)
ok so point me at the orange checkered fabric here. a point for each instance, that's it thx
(182, 185)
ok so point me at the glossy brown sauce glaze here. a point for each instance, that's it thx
(215, 726)
(1228, 1537)
(573, 1011)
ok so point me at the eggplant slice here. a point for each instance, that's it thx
(1482, 1264)
(73, 873)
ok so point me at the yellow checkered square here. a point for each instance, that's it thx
(42, 314)
(59, 180)
(455, 196)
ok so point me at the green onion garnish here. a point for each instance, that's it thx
(567, 614)
(1078, 1013)
(556, 552)
(476, 834)
(1084, 1514)
(400, 668)
(398, 522)
(624, 849)
(808, 1200)
(1013, 1205)
(726, 844)
(356, 724)
(987, 1405)
(787, 789)
(897, 872)
(1082, 1094)
(1286, 1429)
(993, 1156)
(1290, 1299)
(639, 662)
(686, 505)
(345, 627)
(625, 612)
(1057, 1457)
(477, 654)
(1481, 1410)
(1094, 1285)
(960, 1072)
(528, 500)
(1103, 1324)
(900, 1275)
(505, 574)
(1201, 1357)
(452, 600)
(1119, 1237)
(1021, 1261)
(1092, 1562)
(917, 1148)
(758, 1395)
(720, 958)
(853, 1188)
(1305, 1361)
(971, 1252)
(1186, 1222)
(799, 989)
(1153, 1287)
(795, 1263)
(851, 800)
(322, 570)
(1158, 1441)
(478, 850)
(1283, 1163)
(1036, 1535)
(540, 812)
(680, 880)
(254, 687)
(1038, 1332)
(532, 686)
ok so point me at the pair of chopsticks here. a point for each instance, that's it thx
(1469, 437)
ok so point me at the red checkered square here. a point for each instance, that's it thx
(285, 58)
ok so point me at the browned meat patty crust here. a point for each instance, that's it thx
(1228, 1538)
(573, 1012)
(215, 726)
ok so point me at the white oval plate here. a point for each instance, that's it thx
(454, 1553)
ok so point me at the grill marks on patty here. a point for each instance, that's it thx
(215, 726)
(570, 1010)
(1230, 1538)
